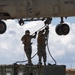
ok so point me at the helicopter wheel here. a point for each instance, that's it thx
(65, 29)
(2, 27)
(58, 29)
(62, 29)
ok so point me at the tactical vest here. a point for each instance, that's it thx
(27, 39)
(41, 39)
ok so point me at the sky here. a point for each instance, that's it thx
(62, 48)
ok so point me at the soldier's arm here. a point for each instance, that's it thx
(46, 34)
(22, 38)
(34, 36)
(47, 30)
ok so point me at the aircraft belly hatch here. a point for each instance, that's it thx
(56, 7)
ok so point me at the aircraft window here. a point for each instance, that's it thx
(8, 73)
(20, 73)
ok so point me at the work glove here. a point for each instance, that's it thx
(47, 27)
(43, 30)
(35, 32)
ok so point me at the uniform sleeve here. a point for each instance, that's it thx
(47, 33)
(22, 38)
(33, 36)
(46, 36)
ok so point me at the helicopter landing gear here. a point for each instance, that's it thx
(48, 21)
(2, 27)
(21, 22)
(62, 28)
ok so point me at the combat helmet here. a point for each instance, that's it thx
(27, 32)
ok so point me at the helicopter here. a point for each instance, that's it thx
(33, 10)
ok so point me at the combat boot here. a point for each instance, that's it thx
(40, 63)
(44, 63)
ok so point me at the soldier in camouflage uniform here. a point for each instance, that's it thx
(42, 41)
(27, 44)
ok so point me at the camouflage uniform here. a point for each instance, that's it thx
(27, 45)
(42, 40)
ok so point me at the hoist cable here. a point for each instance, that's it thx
(51, 54)
(39, 29)
(25, 60)
(49, 50)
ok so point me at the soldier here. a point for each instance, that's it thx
(42, 41)
(27, 44)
